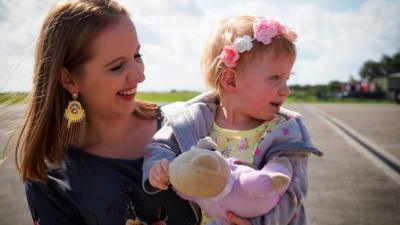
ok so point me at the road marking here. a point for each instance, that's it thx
(381, 158)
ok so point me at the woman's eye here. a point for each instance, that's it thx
(138, 56)
(115, 68)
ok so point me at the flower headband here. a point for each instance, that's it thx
(264, 31)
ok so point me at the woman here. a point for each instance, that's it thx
(80, 150)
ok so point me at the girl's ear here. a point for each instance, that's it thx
(68, 81)
(228, 80)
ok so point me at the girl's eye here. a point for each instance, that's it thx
(275, 77)
(290, 75)
(118, 67)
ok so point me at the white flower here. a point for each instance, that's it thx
(242, 44)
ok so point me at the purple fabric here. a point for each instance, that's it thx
(250, 196)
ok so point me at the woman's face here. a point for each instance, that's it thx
(109, 81)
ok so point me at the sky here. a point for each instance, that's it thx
(335, 37)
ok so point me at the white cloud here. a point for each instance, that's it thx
(19, 25)
(333, 45)
(333, 42)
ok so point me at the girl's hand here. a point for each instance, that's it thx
(159, 174)
(236, 220)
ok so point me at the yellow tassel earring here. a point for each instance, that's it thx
(74, 113)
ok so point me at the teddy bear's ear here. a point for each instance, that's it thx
(206, 163)
(207, 143)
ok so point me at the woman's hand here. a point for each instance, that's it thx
(236, 220)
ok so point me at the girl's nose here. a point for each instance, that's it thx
(284, 90)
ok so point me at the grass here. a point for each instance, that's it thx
(13, 98)
(159, 97)
(173, 96)
(163, 97)
(314, 99)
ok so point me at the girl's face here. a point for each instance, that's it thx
(262, 85)
(109, 82)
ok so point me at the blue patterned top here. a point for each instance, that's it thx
(89, 189)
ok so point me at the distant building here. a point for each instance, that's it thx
(361, 89)
(391, 86)
(383, 87)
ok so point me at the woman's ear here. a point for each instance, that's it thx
(228, 80)
(68, 81)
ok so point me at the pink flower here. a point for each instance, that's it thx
(296, 216)
(265, 30)
(291, 36)
(281, 29)
(148, 155)
(285, 132)
(258, 152)
(229, 56)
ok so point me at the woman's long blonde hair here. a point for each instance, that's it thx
(64, 41)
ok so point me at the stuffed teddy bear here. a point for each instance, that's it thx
(219, 185)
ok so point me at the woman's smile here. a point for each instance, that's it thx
(127, 94)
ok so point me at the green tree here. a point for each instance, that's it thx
(386, 66)
(334, 86)
(391, 64)
(371, 70)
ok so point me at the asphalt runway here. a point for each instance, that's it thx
(348, 185)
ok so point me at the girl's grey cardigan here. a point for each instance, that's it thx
(189, 121)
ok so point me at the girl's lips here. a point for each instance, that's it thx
(276, 104)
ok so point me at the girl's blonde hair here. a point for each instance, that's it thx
(64, 41)
(224, 35)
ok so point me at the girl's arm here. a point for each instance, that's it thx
(162, 146)
(290, 209)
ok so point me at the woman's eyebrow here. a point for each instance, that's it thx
(119, 58)
(115, 60)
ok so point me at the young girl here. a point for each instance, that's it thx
(247, 63)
